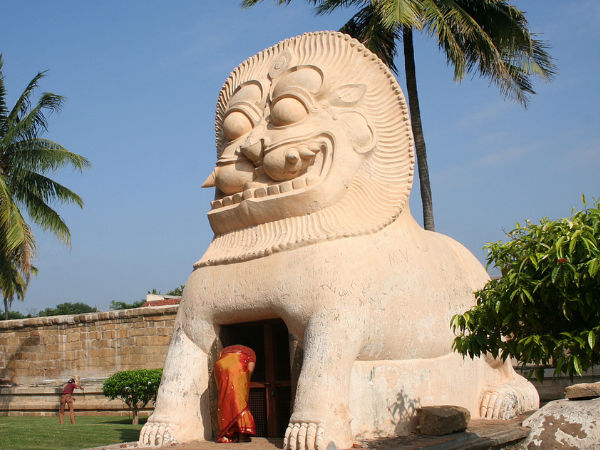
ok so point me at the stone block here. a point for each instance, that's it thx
(583, 390)
(163, 340)
(51, 348)
(49, 339)
(441, 420)
(110, 334)
(144, 340)
(122, 333)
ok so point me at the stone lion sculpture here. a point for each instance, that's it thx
(312, 226)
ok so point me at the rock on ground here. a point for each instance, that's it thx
(583, 390)
(564, 424)
(440, 420)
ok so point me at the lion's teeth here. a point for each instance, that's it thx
(237, 197)
(216, 204)
(273, 190)
(311, 179)
(260, 192)
(227, 200)
(298, 183)
(285, 187)
(247, 194)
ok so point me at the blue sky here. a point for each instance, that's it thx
(141, 79)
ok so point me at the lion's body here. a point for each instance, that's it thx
(312, 226)
(384, 278)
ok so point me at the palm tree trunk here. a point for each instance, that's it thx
(417, 128)
(5, 308)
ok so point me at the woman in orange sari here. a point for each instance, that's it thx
(232, 372)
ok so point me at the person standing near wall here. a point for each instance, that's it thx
(67, 399)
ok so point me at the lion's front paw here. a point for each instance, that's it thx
(303, 436)
(156, 434)
(499, 403)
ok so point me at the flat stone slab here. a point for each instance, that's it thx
(442, 420)
(480, 435)
(583, 390)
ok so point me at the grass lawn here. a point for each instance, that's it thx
(30, 432)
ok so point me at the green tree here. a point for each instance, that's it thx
(26, 160)
(123, 305)
(135, 387)
(12, 315)
(490, 37)
(177, 291)
(68, 308)
(545, 309)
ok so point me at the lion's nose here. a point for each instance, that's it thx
(292, 156)
(253, 151)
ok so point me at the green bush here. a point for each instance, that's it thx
(114, 305)
(135, 387)
(545, 309)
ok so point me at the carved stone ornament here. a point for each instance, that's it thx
(313, 143)
(312, 226)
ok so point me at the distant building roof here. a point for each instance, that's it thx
(161, 300)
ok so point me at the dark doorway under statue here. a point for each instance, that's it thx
(271, 385)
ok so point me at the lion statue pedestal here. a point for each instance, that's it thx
(312, 226)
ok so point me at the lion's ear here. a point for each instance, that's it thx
(359, 130)
(348, 94)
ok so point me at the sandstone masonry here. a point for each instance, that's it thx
(37, 356)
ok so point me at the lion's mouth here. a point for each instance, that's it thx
(313, 162)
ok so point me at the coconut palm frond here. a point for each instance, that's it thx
(34, 122)
(43, 188)
(42, 155)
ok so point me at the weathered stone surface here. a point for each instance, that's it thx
(444, 419)
(583, 390)
(564, 424)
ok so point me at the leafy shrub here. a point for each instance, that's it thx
(114, 304)
(545, 310)
(134, 387)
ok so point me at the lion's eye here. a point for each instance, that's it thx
(287, 110)
(236, 124)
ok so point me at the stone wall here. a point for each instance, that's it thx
(38, 356)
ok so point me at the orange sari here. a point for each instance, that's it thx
(233, 381)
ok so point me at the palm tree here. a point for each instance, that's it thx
(490, 37)
(14, 279)
(26, 159)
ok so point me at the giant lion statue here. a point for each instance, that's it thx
(312, 226)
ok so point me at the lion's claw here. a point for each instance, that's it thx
(155, 434)
(303, 436)
(502, 403)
